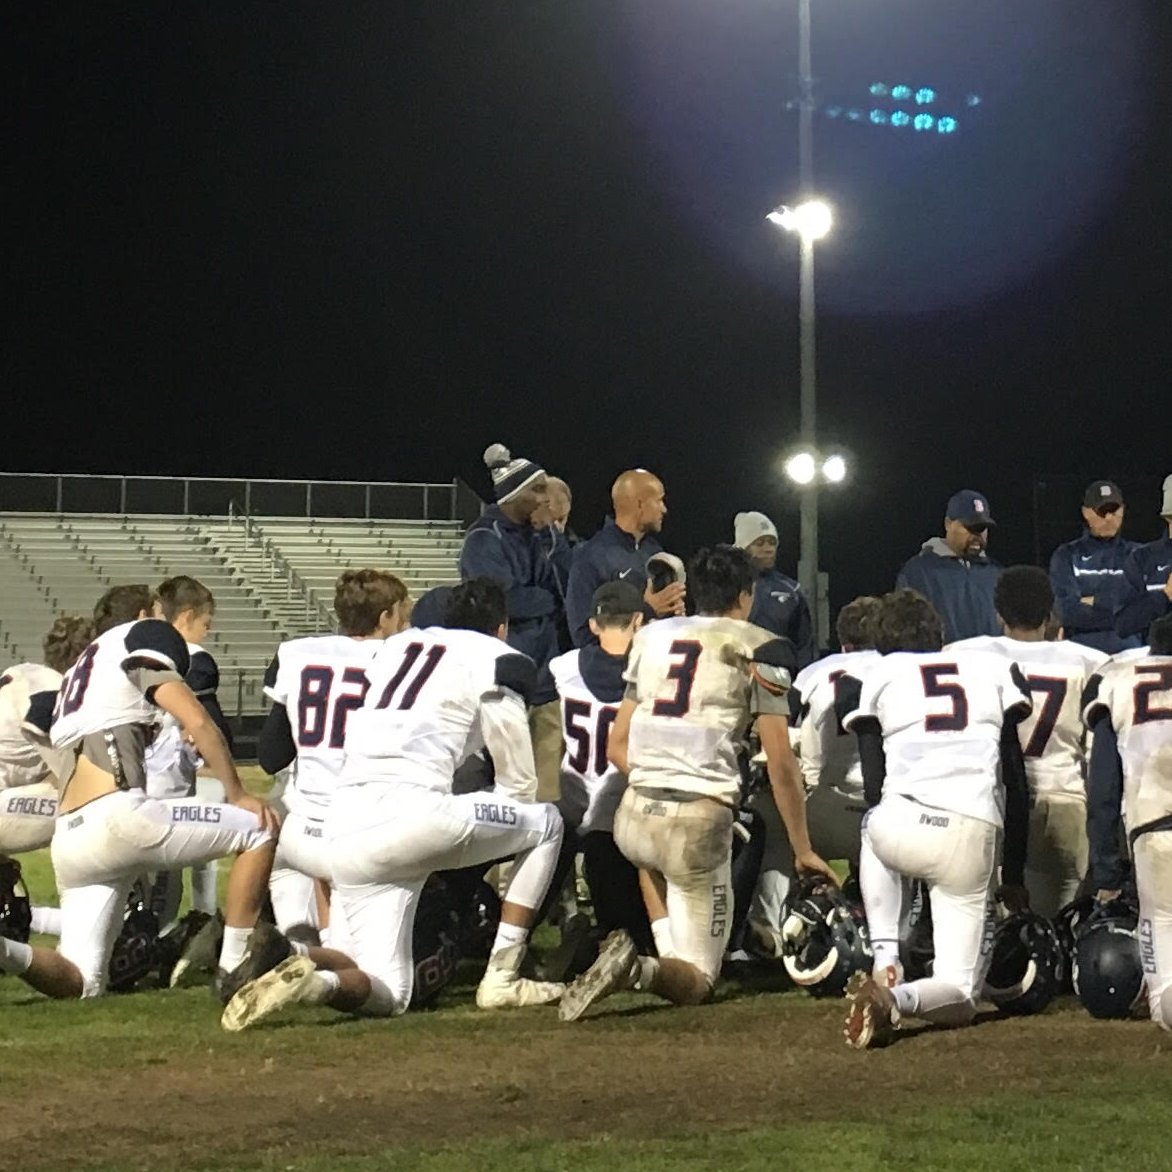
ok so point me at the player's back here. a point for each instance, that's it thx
(1053, 735)
(942, 715)
(320, 681)
(420, 719)
(590, 688)
(1137, 695)
(20, 763)
(829, 753)
(691, 680)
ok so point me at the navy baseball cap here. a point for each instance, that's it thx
(617, 599)
(969, 508)
(1102, 492)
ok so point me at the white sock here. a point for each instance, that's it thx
(330, 980)
(508, 936)
(661, 934)
(47, 921)
(885, 954)
(15, 957)
(300, 948)
(233, 948)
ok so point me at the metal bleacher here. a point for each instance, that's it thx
(272, 576)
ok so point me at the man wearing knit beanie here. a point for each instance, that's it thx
(1147, 577)
(504, 544)
(778, 602)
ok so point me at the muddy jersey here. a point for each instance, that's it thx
(941, 714)
(20, 761)
(590, 688)
(697, 683)
(1053, 737)
(114, 680)
(436, 697)
(1136, 693)
(829, 754)
(320, 681)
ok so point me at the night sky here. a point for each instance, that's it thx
(364, 241)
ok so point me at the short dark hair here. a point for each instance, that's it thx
(717, 578)
(183, 593)
(122, 604)
(477, 605)
(1024, 597)
(853, 625)
(66, 639)
(1160, 636)
(361, 597)
(907, 621)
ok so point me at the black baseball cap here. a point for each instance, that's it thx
(616, 599)
(1102, 492)
(969, 508)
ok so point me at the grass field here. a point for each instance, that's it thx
(759, 1080)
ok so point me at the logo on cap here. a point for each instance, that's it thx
(1104, 490)
(978, 506)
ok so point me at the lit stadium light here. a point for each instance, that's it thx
(833, 111)
(901, 118)
(834, 469)
(925, 96)
(879, 90)
(946, 126)
(811, 220)
(854, 115)
(879, 117)
(801, 467)
(923, 122)
(901, 93)
(972, 100)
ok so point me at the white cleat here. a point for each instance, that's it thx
(293, 981)
(500, 989)
(615, 969)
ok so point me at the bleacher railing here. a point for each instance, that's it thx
(214, 496)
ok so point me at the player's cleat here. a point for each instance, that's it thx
(577, 938)
(295, 981)
(888, 977)
(616, 968)
(502, 988)
(199, 955)
(871, 1017)
(266, 949)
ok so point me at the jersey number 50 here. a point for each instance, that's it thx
(589, 744)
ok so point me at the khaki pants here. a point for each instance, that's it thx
(690, 844)
(545, 727)
(1056, 857)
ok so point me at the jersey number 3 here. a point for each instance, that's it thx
(686, 654)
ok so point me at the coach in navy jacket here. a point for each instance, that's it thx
(1087, 573)
(954, 573)
(1147, 577)
(621, 549)
(503, 544)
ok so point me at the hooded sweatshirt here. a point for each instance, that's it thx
(961, 589)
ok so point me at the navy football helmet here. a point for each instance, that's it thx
(1108, 972)
(1069, 921)
(824, 938)
(134, 950)
(1026, 970)
(16, 913)
(435, 943)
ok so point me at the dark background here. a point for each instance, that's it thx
(364, 241)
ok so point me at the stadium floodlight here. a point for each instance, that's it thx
(801, 468)
(834, 469)
(811, 220)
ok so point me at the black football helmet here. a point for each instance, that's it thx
(824, 938)
(1069, 921)
(16, 913)
(133, 957)
(1108, 972)
(435, 943)
(1026, 969)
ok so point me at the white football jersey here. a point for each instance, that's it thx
(20, 762)
(1137, 696)
(691, 681)
(436, 697)
(829, 755)
(941, 714)
(1053, 736)
(591, 786)
(99, 693)
(171, 763)
(320, 681)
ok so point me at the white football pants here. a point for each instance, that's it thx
(28, 814)
(957, 856)
(1152, 858)
(386, 838)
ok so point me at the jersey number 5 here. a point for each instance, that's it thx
(686, 653)
(936, 685)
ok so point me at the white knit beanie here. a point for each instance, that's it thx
(747, 527)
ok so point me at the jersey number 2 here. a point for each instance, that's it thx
(1145, 710)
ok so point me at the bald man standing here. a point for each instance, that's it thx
(622, 549)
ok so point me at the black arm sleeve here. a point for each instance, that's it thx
(275, 748)
(1105, 808)
(1017, 803)
(872, 758)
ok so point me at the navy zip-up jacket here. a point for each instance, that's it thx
(780, 607)
(961, 589)
(611, 553)
(1145, 574)
(516, 556)
(1091, 567)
